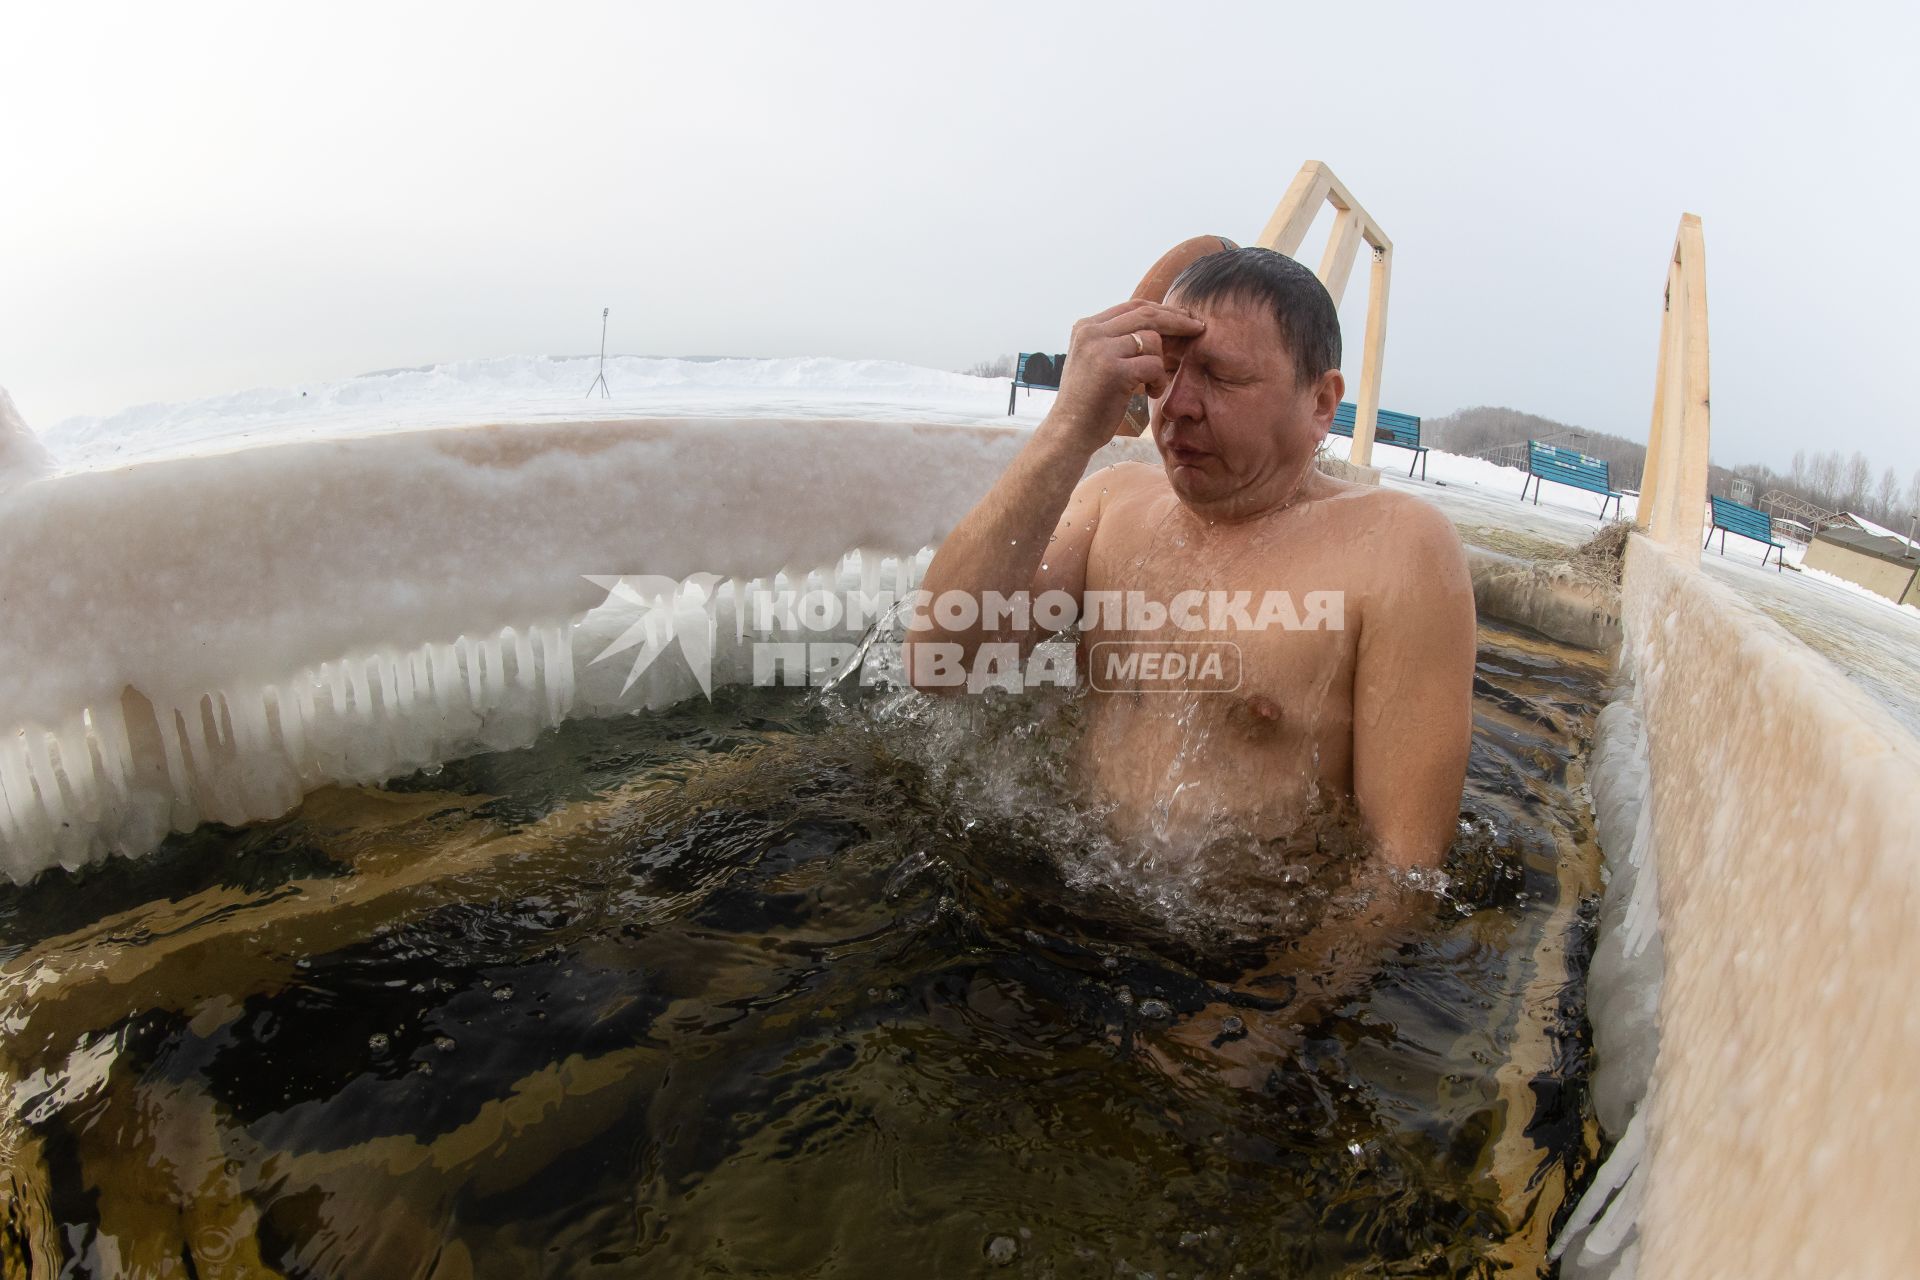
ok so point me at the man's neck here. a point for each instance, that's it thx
(1266, 497)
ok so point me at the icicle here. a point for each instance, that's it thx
(22, 822)
(389, 685)
(403, 693)
(170, 744)
(227, 715)
(76, 766)
(249, 713)
(739, 611)
(116, 748)
(870, 573)
(362, 691)
(525, 673)
(222, 735)
(470, 663)
(556, 672)
(40, 766)
(303, 690)
(443, 670)
(193, 719)
(335, 674)
(15, 795)
(293, 728)
(496, 670)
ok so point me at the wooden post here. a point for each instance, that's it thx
(1674, 489)
(1336, 262)
(1366, 405)
(1294, 214)
(1651, 477)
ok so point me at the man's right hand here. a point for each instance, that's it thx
(1112, 356)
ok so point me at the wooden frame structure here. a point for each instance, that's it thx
(1313, 186)
(1673, 491)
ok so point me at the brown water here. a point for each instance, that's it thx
(768, 988)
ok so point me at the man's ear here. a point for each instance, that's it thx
(1327, 394)
(1327, 390)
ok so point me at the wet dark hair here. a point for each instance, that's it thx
(1299, 303)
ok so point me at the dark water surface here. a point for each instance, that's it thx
(767, 988)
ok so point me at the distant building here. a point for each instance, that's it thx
(1864, 553)
(1791, 529)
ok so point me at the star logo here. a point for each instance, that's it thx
(664, 612)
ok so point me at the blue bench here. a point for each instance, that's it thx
(1036, 369)
(1571, 468)
(1401, 430)
(1735, 517)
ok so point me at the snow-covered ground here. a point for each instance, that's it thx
(1872, 640)
(534, 389)
(1484, 496)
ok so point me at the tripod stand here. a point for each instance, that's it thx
(601, 380)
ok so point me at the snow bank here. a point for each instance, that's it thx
(213, 636)
(1855, 589)
(539, 388)
(22, 456)
(1600, 1239)
(1787, 834)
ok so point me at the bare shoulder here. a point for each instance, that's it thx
(1124, 482)
(1416, 540)
(1377, 506)
(1132, 476)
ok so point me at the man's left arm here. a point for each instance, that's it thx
(1413, 690)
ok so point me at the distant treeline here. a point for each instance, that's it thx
(1484, 430)
(1830, 479)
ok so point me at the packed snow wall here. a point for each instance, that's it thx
(1777, 1135)
(210, 637)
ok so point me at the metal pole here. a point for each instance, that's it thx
(600, 380)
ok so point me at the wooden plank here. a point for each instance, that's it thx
(1343, 245)
(1295, 212)
(1367, 403)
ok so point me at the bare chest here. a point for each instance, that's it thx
(1265, 615)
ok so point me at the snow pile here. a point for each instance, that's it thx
(22, 456)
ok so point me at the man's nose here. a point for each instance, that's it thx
(1182, 399)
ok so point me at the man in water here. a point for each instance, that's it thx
(1343, 612)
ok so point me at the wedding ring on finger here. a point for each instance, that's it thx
(1139, 343)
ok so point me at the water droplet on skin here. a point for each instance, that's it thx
(1155, 1009)
(1043, 566)
(503, 992)
(443, 1043)
(377, 1042)
(1014, 542)
(1001, 1250)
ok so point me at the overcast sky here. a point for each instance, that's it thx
(196, 200)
